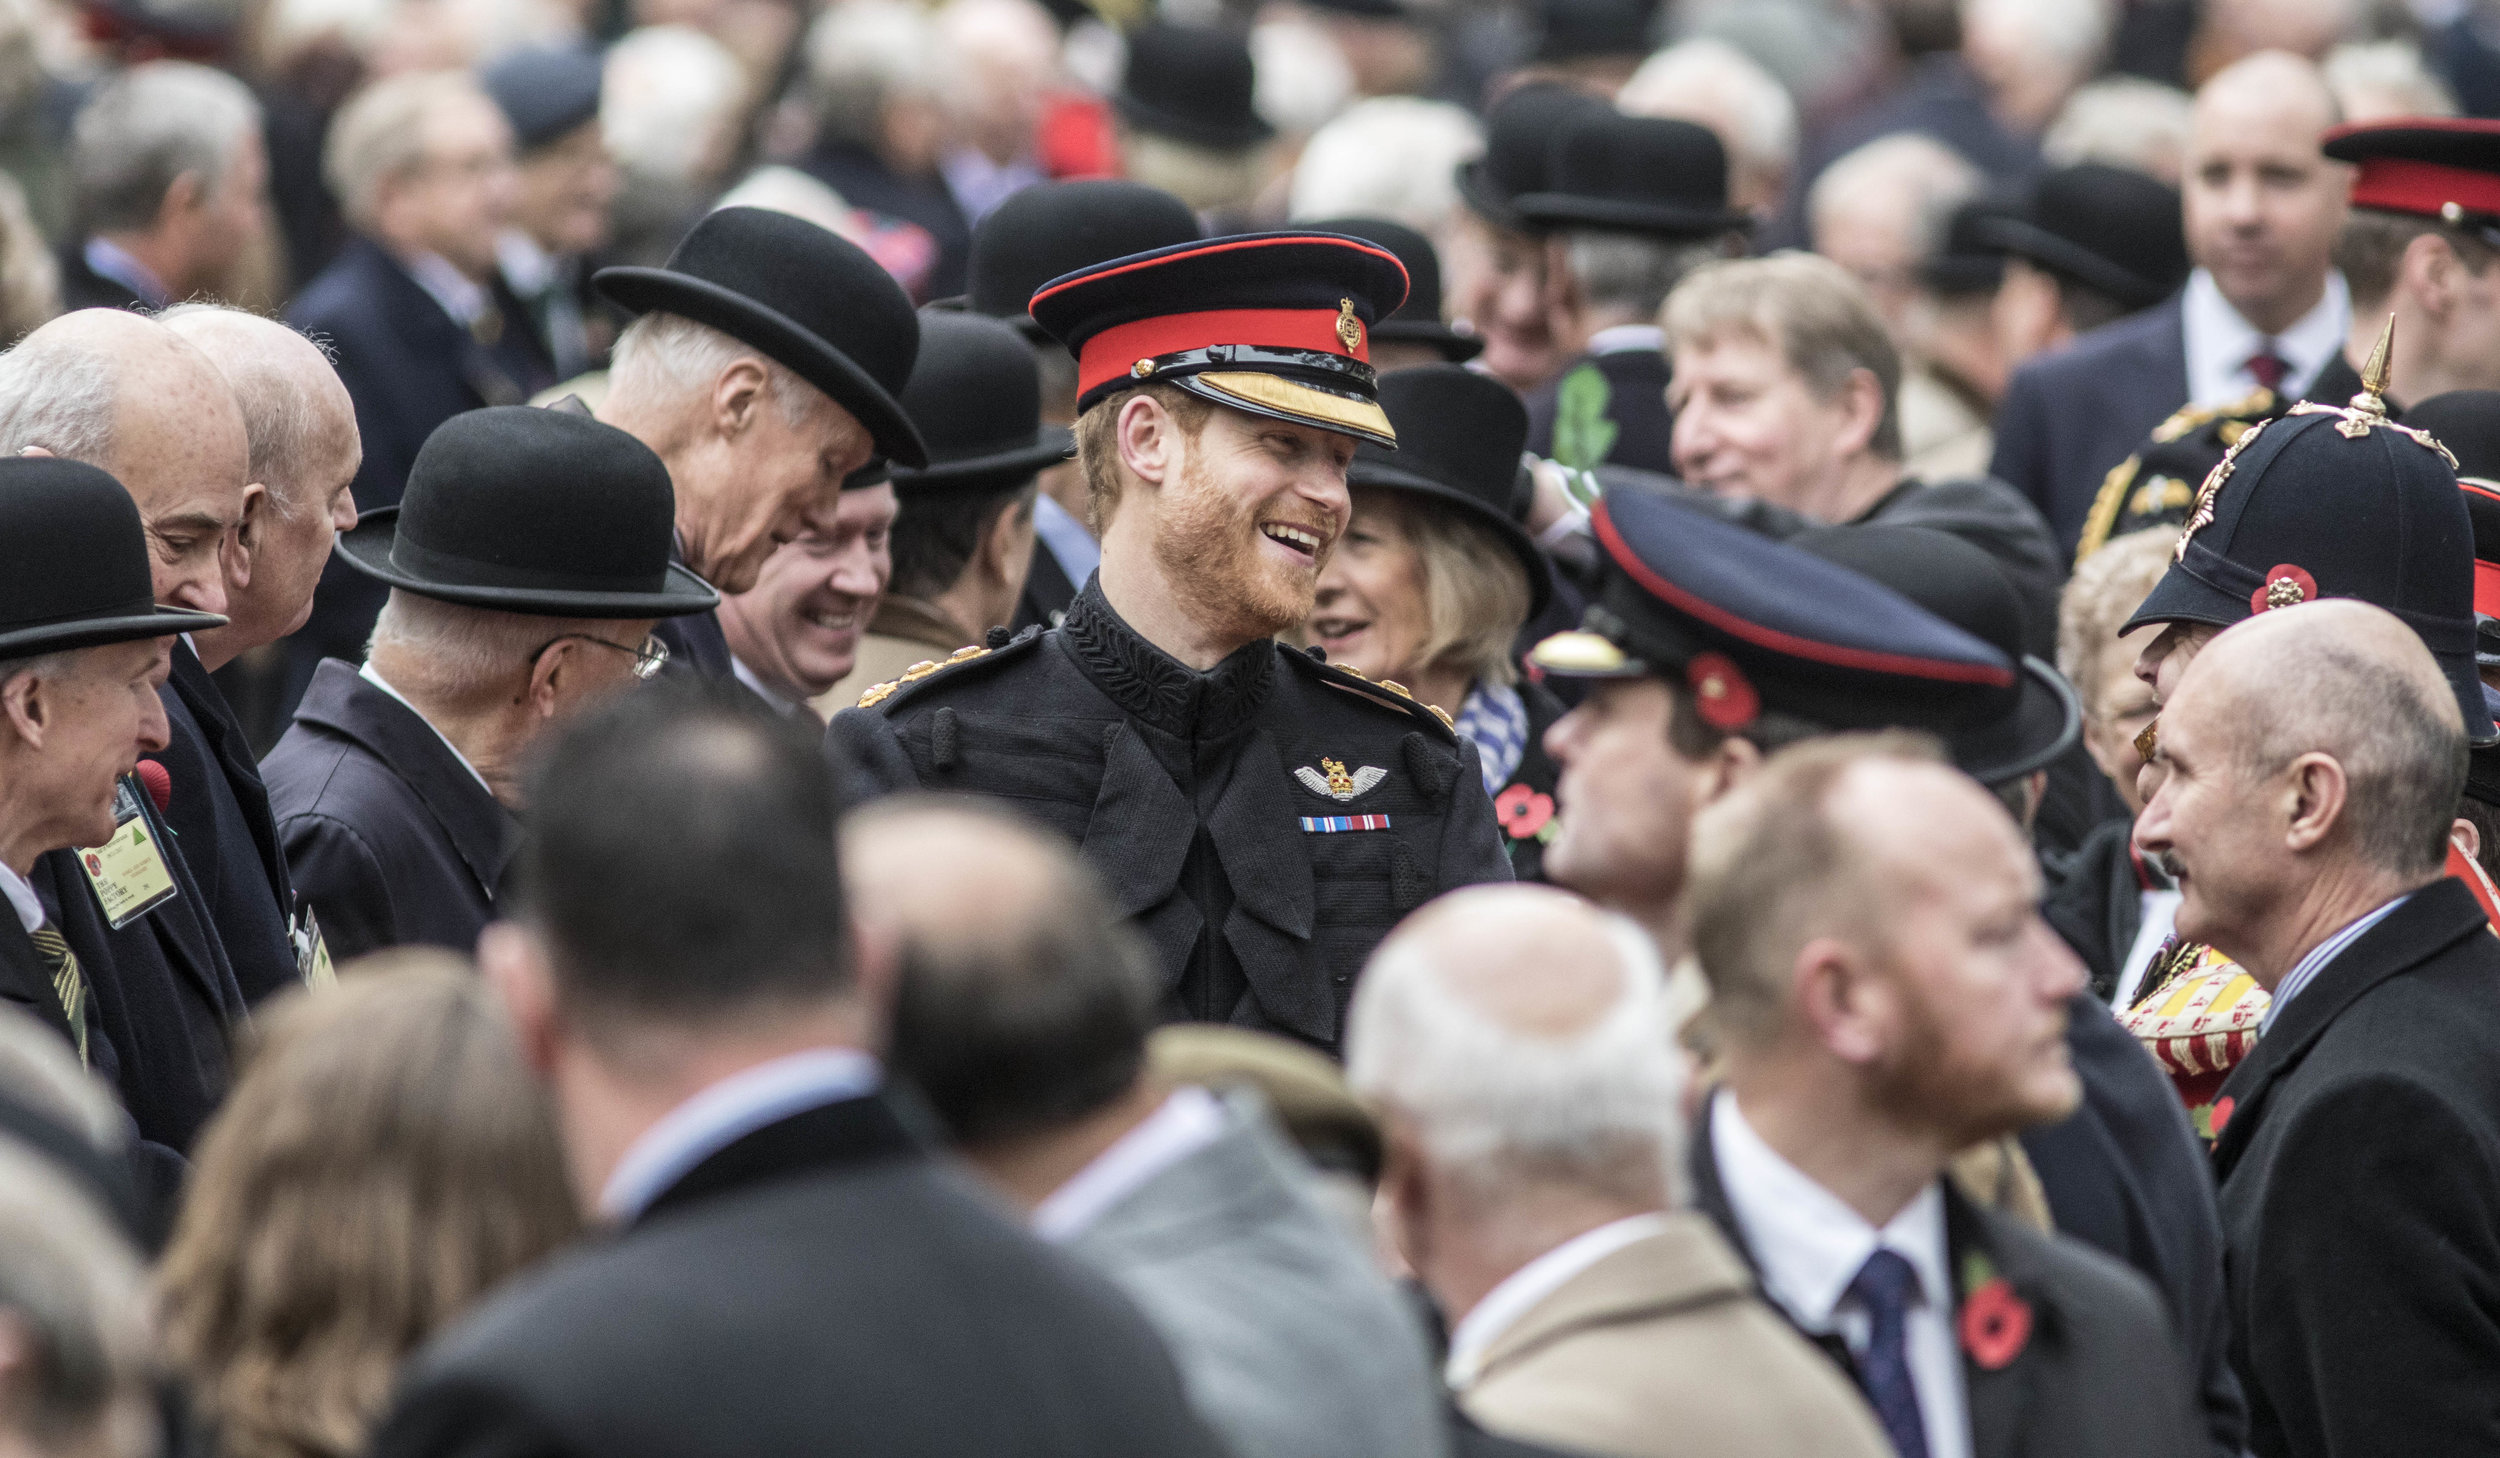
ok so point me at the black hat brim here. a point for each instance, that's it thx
(367, 549)
(645, 290)
(2046, 722)
(1385, 476)
(1552, 210)
(1197, 132)
(1052, 444)
(100, 632)
(1451, 345)
(1478, 190)
(2026, 239)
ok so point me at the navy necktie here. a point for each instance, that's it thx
(1884, 1288)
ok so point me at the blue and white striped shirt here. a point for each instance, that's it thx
(2307, 968)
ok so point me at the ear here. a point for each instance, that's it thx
(2314, 787)
(1404, 1203)
(1842, 999)
(1862, 410)
(1733, 763)
(1149, 439)
(245, 539)
(876, 960)
(1009, 537)
(2429, 267)
(183, 196)
(514, 963)
(23, 706)
(737, 394)
(545, 691)
(2466, 836)
(1562, 290)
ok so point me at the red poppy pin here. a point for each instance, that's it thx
(2286, 585)
(1996, 1323)
(2221, 1114)
(1723, 696)
(1523, 810)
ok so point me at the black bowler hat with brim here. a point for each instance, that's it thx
(1634, 174)
(1460, 435)
(1271, 324)
(813, 302)
(2109, 228)
(977, 397)
(1518, 143)
(1418, 320)
(533, 511)
(1194, 84)
(1963, 585)
(1053, 228)
(74, 562)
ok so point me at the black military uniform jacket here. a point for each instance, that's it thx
(219, 813)
(1265, 823)
(2359, 1152)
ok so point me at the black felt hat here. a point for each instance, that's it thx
(533, 511)
(1573, 30)
(2301, 510)
(977, 398)
(1966, 263)
(1053, 228)
(2109, 228)
(808, 299)
(1274, 324)
(1459, 439)
(74, 562)
(1191, 83)
(1963, 585)
(1634, 174)
(545, 92)
(1518, 144)
(1418, 320)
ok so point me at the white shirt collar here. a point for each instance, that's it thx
(1809, 1242)
(2220, 342)
(529, 268)
(1520, 1292)
(368, 675)
(460, 295)
(22, 897)
(1188, 1121)
(728, 1111)
(115, 262)
(1627, 339)
(766, 692)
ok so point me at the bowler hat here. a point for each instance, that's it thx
(1634, 174)
(533, 511)
(1418, 320)
(977, 398)
(2109, 228)
(1054, 228)
(1518, 142)
(1459, 439)
(1967, 263)
(1192, 83)
(1572, 30)
(808, 299)
(1963, 585)
(74, 562)
(545, 92)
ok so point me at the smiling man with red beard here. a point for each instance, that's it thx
(1263, 817)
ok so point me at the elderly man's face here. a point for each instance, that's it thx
(781, 470)
(178, 448)
(1875, 239)
(1747, 423)
(2214, 819)
(1625, 800)
(799, 627)
(565, 191)
(96, 718)
(460, 195)
(2262, 204)
(287, 565)
(1498, 284)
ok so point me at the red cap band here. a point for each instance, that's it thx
(2487, 588)
(1114, 352)
(2401, 185)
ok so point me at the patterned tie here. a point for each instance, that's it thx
(1885, 1286)
(2266, 367)
(69, 982)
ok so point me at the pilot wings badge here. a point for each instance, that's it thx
(1331, 779)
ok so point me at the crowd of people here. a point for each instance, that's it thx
(1389, 728)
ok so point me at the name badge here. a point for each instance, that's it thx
(128, 872)
(312, 954)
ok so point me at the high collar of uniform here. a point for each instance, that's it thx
(1158, 689)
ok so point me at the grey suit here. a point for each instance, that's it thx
(1290, 1344)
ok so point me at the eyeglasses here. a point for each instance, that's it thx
(649, 659)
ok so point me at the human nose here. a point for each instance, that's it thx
(154, 734)
(1563, 739)
(205, 589)
(2061, 973)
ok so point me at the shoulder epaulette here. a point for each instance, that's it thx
(951, 669)
(1387, 693)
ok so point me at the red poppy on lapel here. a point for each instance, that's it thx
(2222, 1113)
(1523, 810)
(1996, 1324)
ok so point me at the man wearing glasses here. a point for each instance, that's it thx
(527, 564)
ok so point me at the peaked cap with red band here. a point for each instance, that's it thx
(1751, 625)
(2431, 167)
(1275, 324)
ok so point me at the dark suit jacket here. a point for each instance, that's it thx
(1047, 592)
(2068, 417)
(391, 838)
(2101, 1372)
(84, 288)
(408, 367)
(25, 982)
(2096, 903)
(1636, 402)
(2359, 1151)
(820, 1286)
(220, 817)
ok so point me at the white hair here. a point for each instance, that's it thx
(70, 1280)
(2379, 80)
(861, 54)
(670, 357)
(1495, 1105)
(147, 127)
(1905, 169)
(1709, 81)
(449, 652)
(2124, 121)
(1394, 157)
(2068, 33)
(668, 95)
(59, 395)
(380, 134)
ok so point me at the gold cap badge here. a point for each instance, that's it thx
(1349, 328)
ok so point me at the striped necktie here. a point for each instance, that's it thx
(69, 981)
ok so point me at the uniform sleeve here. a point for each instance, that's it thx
(336, 874)
(2376, 1279)
(867, 756)
(1471, 840)
(463, 1417)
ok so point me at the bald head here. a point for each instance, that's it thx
(1021, 1001)
(299, 424)
(2262, 204)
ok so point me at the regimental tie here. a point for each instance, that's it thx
(69, 982)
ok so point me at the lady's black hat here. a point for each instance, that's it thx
(1418, 320)
(1459, 438)
(1053, 228)
(814, 302)
(1193, 84)
(1518, 143)
(533, 511)
(1634, 174)
(977, 398)
(1960, 583)
(2108, 228)
(74, 562)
